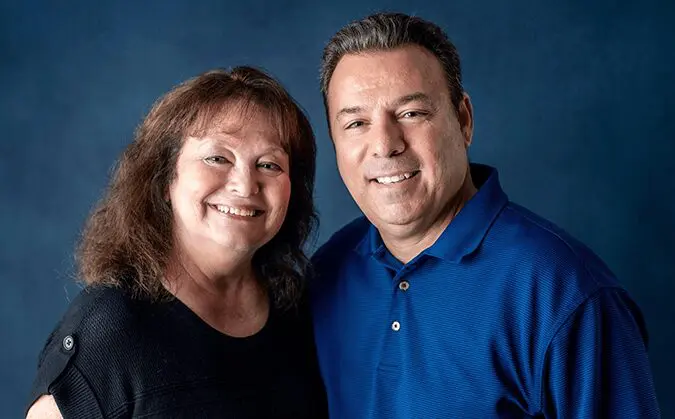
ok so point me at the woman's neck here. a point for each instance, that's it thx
(228, 297)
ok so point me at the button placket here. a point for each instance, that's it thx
(403, 286)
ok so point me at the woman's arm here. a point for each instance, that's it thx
(44, 408)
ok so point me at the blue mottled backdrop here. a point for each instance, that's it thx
(574, 102)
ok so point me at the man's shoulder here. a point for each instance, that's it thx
(342, 242)
(548, 247)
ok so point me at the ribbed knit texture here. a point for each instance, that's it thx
(132, 358)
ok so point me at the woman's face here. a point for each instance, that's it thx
(232, 185)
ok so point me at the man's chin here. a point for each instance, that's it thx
(394, 219)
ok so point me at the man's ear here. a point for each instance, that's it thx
(465, 116)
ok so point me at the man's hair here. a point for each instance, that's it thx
(387, 31)
(128, 237)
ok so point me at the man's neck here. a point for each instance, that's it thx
(406, 242)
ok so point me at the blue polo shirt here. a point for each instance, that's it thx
(505, 315)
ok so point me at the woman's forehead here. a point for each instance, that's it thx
(236, 116)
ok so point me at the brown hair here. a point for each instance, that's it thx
(128, 238)
(387, 31)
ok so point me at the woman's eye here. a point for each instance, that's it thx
(216, 159)
(270, 166)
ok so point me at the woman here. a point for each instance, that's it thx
(194, 267)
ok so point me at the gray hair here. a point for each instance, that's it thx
(387, 31)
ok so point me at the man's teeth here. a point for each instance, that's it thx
(393, 179)
(236, 211)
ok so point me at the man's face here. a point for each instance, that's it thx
(401, 147)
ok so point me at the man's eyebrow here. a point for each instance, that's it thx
(413, 97)
(348, 111)
(403, 100)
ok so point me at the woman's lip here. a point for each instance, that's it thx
(241, 211)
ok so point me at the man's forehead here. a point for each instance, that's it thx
(380, 67)
(393, 73)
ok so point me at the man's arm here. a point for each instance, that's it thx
(597, 364)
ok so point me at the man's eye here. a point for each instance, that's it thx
(412, 114)
(354, 124)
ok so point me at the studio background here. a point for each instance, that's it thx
(573, 100)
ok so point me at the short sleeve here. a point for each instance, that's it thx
(53, 360)
(58, 374)
(597, 364)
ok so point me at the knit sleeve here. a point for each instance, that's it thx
(58, 373)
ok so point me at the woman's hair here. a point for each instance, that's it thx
(128, 238)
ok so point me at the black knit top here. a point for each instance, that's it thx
(115, 357)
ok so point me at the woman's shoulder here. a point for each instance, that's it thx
(97, 307)
(77, 342)
(92, 318)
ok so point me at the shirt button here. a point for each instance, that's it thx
(68, 343)
(395, 326)
(403, 285)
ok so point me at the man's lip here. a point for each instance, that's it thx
(398, 173)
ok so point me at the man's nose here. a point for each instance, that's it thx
(388, 138)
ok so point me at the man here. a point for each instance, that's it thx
(447, 299)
